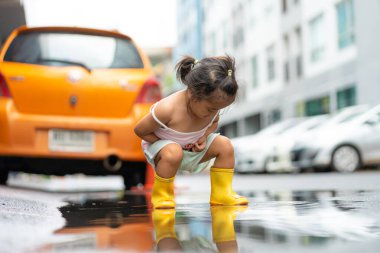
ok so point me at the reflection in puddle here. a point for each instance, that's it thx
(312, 214)
(327, 221)
(222, 226)
(309, 220)
(123, 223)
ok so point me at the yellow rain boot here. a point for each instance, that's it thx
(223, 222)
(221, 188)
(163, 221)
(163, 192)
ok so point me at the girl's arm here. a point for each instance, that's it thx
(213, 127)
(145, 129)
(146, 126)
(201, 143)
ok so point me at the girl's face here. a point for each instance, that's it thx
(208, 107)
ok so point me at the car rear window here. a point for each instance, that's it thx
(63, 49)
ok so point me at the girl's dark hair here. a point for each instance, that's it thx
(207, 75)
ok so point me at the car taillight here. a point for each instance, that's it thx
(4, 91)
(150, 92)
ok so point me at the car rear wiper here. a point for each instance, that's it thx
(65, 62)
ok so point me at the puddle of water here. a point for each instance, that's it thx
(303, 221)
(27, 220)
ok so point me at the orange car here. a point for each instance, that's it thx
(69, 100)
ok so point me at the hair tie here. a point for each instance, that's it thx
(194, 63)
(229, 73)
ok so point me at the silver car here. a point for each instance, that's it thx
(251, 152)
(280, 158)
(344, 147)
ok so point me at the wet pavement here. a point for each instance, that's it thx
(277, 220)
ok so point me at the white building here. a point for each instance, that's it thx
(295, 57)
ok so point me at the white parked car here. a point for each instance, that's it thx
(251, 151)
(344, 147)
(280, 157)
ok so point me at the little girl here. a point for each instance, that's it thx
(178, 134)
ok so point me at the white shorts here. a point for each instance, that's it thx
(191, 160)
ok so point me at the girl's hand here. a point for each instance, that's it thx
(200, 145)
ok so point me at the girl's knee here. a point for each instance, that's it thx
(172, 154)
(224, 145)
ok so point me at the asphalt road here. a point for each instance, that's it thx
(323, 212)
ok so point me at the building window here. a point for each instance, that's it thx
(299, 62)
(225, 35)
(252, 124)
(346, 97)
(286, 58)
(300, 109)
(286, 71)
(299, 66)
(271, 64)
(317, 106)
(229, 130)
(255, 72)
(213, 42)
(284, 6)
(268, 8)
(252, 11)
(238, 29)
(318, 35)
(274, 116)
(238, 37)
(346, 23)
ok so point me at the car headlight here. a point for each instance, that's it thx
(310, 153)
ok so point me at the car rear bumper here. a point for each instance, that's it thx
(59, 166)
(27, 135)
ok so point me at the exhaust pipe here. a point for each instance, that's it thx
(112, 163)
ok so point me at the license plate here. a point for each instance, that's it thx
(71, 140)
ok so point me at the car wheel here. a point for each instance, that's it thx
(134, 177)
(265, 166)
(132, 180)
(345, 159)
(3, 176)
(3, 173)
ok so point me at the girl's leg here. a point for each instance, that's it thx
(168, 160)
(222, 150)
(167, 163)
(222, 172)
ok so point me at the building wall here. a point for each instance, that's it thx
(189, 26)
(368, 41)
(241, 28)
(253, 30)
(12, 15)
(190, 32)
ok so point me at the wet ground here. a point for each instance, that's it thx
(337, 213)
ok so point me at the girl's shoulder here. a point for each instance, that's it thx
(172, 101)
(166, 107)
